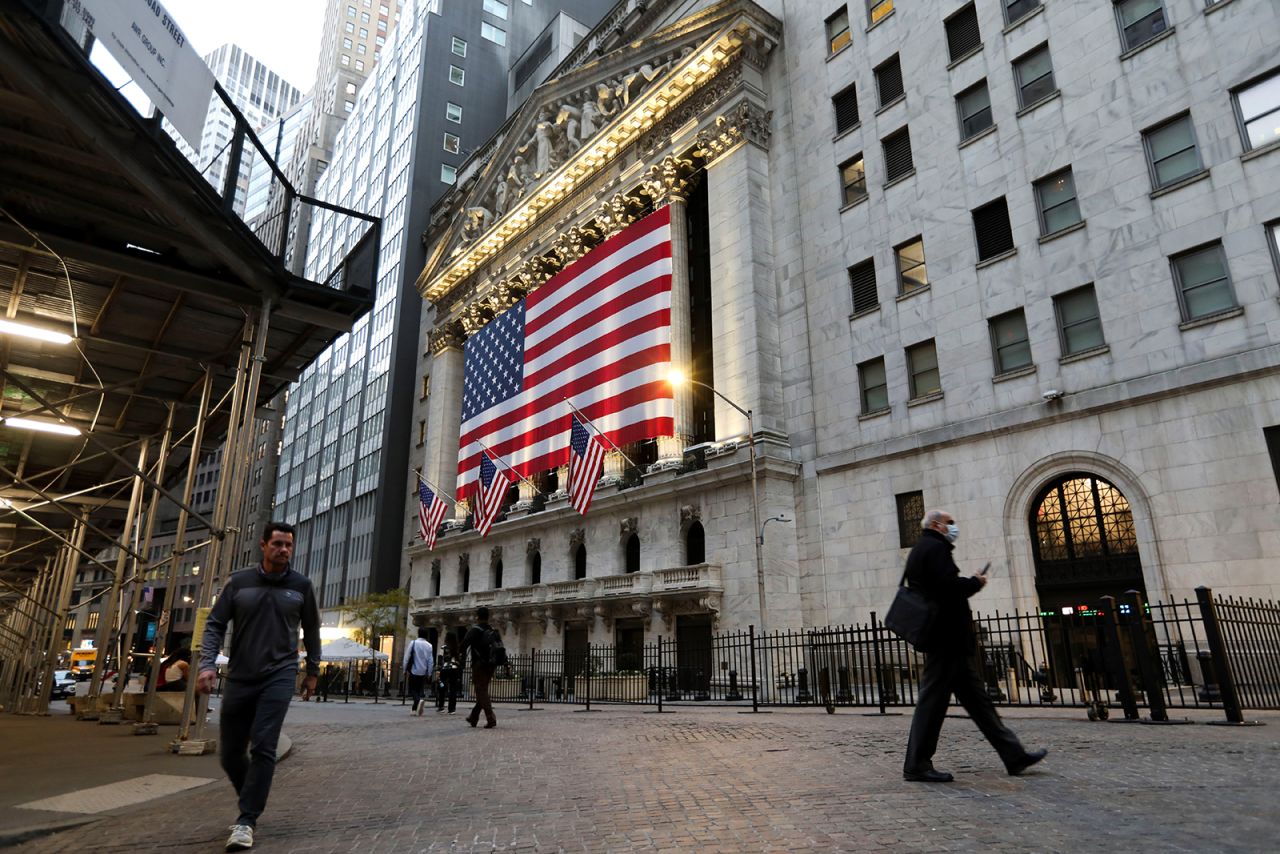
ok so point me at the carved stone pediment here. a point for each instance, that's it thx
(574, 126)
(629, 526)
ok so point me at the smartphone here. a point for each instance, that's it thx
(985, 569)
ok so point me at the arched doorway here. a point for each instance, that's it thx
(1084, 544)
(1085, 547)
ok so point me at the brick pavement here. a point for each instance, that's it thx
(366, 778)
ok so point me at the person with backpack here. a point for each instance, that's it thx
(487, 655)
(417, 667)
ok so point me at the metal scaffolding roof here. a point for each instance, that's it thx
(108, 234)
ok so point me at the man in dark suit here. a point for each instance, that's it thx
(949, 651)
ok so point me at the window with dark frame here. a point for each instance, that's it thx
(862, 283)
(1033, 74)
(1258, 110)
(974, 108)
(1079, 326)
(897, 155)
(838, 34)
(913, 273)
(1016, 10)
(1172, 153)
(853, 180)
(1204, 282)
(846, 107)
(1056, 202)
(991, 229)
(1271, 435)
(910, 517)
(1140, 21)
(1273, 241)
(963, 35)
(878, 10)
(1010, 346)
(889, 80)
(874, 388)
(922, 369)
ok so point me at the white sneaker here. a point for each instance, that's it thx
(422, 707)
(241, 837)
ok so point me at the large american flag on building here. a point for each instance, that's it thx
(598, 333)
(431, 509)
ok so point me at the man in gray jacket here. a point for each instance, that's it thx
(267, 603)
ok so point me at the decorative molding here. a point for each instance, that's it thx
(671, 179)
(629, 526)
(532, 546)
(689, 514)
(464, 562)
(577, 537)
(495, 555)
(447, 337)
(745, 122)
(435, 566)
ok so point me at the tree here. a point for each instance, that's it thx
(376, 614)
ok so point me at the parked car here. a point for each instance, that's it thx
(64, 685)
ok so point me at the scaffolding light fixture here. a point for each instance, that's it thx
(41, 426)
(13, 327)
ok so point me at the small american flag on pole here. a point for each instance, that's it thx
(493, 488)
(431, 508)
(598, 332)
(585, 461)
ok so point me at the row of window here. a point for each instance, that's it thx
(1201, 278)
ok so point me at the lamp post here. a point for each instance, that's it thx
(757, 530)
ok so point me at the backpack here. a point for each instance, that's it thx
(497, 652)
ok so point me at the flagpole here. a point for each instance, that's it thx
(435, 488)
(508, 465)
(600, 433)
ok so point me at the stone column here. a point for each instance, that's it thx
(669, 183)
(444, 411)
(744, 297)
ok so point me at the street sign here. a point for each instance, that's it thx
(151, 46)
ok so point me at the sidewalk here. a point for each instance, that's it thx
(59, 763)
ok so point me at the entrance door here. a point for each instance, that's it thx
(693, 653)
(628, 640)
(1085, 547)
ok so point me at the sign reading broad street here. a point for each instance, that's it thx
(150, 45)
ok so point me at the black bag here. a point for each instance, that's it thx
(497, 652)
(911, 616)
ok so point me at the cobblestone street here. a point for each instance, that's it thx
(370, 778)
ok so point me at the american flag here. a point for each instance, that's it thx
(431, 509)
(493, 489)
(599, 333)
(585, 461)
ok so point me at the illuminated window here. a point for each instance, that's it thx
(838, 30)
(878, 10)
(913, 274)
(1258, 110)
(853, 180)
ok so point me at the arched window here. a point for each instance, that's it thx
(497, 575)
(535, 568)
(435, 582)
(633, 554)
(466, 579)
(695, 545)
(580, 562)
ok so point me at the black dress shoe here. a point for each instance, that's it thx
(490, 725)
(930, 776)
(1028, 759)
(473, 723)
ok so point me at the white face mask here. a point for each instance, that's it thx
(953, 532)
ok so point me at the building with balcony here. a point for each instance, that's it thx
(1014, 259)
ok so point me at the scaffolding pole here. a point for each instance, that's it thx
(59, 618)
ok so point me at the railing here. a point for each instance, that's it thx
(1219, 654)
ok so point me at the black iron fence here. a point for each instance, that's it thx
(1212, 653)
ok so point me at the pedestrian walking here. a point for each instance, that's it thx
(949, 649)
(487, 654)
(266, 603)
(418, 665)
(448, 678)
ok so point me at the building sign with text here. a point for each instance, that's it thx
(148, 43)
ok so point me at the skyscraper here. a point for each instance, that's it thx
(259, 93)
(440, 91)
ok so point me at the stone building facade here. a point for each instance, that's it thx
(1010, 258)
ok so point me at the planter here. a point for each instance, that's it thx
(623, 688)
(504, 688)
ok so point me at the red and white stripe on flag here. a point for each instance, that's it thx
(586, 458)
(495, 485)
(598, 333)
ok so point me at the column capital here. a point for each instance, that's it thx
(744, 122)
(671, 179)
(448, 337)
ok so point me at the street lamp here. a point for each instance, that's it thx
(677, 378)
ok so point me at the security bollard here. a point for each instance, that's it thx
(803, 695)
(734, 693)
(1209, 690)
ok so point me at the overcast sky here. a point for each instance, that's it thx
(284, 35)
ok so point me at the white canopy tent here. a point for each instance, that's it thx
(345, 649)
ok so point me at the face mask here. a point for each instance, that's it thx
(953, 532)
